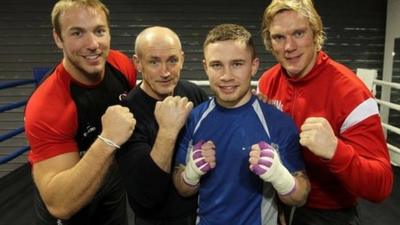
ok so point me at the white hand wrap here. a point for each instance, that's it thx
(270, 169)
(196, 166)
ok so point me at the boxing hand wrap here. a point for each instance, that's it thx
(270, 169)
(196, 166)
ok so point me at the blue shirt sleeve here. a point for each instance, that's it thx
(289, 148)
(285, 138)
(293, 159)
(184, 142)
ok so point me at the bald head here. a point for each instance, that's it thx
(156, 37)
(159, 58)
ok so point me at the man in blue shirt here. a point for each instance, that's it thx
(239, 153)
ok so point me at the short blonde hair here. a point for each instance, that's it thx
(63, 5)
(304, 7)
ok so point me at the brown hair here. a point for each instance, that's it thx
(63, 5)
(226, 32)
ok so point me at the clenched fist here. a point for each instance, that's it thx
(200, 162)
(317, 135)
(118, 124)
(172, 112)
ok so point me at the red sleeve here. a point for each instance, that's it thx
(124, 64)
(51, 120)
(362, 161)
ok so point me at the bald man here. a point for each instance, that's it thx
(161, 103)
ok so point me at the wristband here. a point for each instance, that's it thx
(108, 142)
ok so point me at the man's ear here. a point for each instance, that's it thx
(57, 39)
(205, 65)
(254, 66)
(183, 59)
(136, 61)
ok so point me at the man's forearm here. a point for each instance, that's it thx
(183, 188)
(163, 149)
(300, 193)
(66, 192)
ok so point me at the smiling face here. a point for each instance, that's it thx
(229, 66)
(85, 41)
(292, 42)
(159, 58)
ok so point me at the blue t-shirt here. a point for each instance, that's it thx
(231, 193)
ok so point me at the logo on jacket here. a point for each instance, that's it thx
(277, 103)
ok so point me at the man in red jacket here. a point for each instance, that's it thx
(344, 147)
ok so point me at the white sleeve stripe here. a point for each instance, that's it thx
(260, 114)
(211, 106)
(366, 109)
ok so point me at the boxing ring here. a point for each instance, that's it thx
(16, 131)
(38, 74)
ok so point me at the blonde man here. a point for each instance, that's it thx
(342, 140)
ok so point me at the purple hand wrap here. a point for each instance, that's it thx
(198, 158)
(196, 165)
(266, 158)
(270, 169)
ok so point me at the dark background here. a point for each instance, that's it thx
(355, 31)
